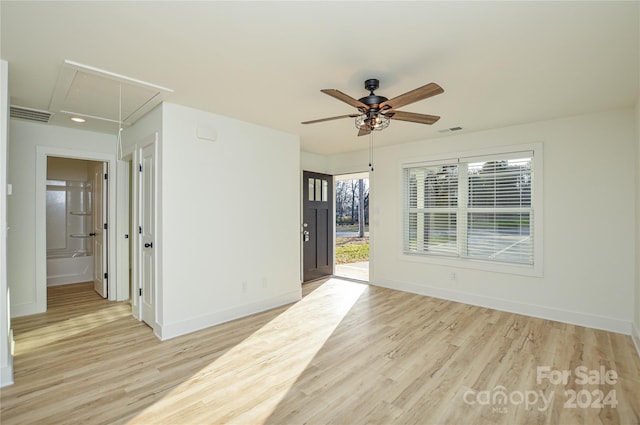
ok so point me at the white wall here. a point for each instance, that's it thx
(313, 162)
(6, 359)
(636, 323)
(588, 275)
(351, 162)
(26, 296)
(229, 237)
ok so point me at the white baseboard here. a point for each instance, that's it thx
(6, 376)
(571, 317)
(635, 336)
(172, 330)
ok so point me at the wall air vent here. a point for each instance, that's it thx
(29, 114)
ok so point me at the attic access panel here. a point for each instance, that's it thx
(97, 94)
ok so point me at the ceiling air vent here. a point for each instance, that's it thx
(449, 130)
(29, 114)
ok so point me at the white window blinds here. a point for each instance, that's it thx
(478, 208)
(432, 209)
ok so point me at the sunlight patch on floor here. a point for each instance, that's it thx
(55, 332)
(248, 382)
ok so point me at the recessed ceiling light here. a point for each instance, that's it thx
(77, 119)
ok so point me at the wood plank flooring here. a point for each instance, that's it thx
(347, 353)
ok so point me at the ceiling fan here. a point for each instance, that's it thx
(375, 112)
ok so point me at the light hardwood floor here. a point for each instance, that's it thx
(348, 353)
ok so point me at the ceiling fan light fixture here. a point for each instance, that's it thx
(377, 123)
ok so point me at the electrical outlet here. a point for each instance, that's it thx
(454, 276)
(264, 282)
(244, 286)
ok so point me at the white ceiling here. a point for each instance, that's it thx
(500, 63)
(101, 98)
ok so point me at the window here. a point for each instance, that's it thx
(318, 190)
(472, 208)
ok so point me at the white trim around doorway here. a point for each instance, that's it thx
(42, 152)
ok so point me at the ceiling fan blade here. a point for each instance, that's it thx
(363, 132)
(413, 117)
(330, 118)
(345, 98)
(414, 95)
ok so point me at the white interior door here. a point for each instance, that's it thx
(98, 229)
(147, 234)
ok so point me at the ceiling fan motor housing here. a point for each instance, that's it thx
(372, 100)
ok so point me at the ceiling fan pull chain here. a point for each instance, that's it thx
(371, 151)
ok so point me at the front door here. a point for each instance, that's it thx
(317, 227)
(99, 233)
(147, 233)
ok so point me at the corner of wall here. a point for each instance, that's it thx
(6, 339)
(635, 328)
(636, 318)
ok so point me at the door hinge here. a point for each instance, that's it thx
(140, 229)
(106, 176)
(140, 291)
(105, 226)
(140, 167)
(105, 275)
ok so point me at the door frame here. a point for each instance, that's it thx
(42, 152)
(369, 178)
(372, 214)
(132, 155)
(152, 143)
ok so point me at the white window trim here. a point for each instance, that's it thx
(535, 270)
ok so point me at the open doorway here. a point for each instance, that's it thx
(352, 226)
(42, 153)
(76, 205)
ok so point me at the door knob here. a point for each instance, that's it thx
(148, 245)
(92, 234)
